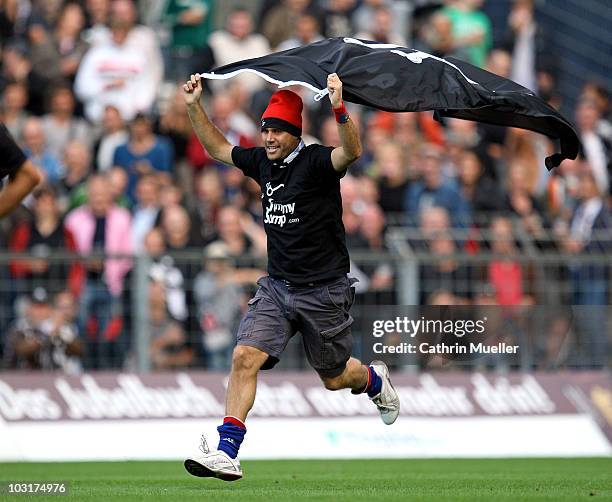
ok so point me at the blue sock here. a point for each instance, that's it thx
(231, 434)
(374, 383)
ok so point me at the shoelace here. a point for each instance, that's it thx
(204, 445)
(378, 402)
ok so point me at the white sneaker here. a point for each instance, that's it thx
(386, 400)
(214, 464)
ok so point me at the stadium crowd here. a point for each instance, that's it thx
(91, 91)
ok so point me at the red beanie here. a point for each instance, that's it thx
(284, 112)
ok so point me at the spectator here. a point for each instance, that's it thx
(97, 14)
(597, 151)
(190, 25)
(114, 134)
(60, 125)
(118, 180)
(121, 71)
(596, 93)
(278, 24)
(209, 200)
(229, 121)
(352, 208)
(36, 150)
(176, 226)
(338, 18)
(435, 221)
(175, 125)
(14, 101)
(236, 42)
(479, 190)
(164, 272)
(471, 30)
(507, 275)
(168, 348)
(65, 333)
(390, 165)
(101, 227)
(380, 273)
(445, 272)
(72, 187)
(57, 53)
(590, 234)
(363, 15)
(526, 41)
(42, 339)
(142, 39)
(41, 236)
(17, 68)
(519, 201)
(219, 300)
(591, 217)
(307, 31)
(239, 233)
(144, 153)
(380, 28)
(146, 210)
(8, 18)
(436, 35)
(433, 190)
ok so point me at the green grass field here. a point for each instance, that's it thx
(347, 480)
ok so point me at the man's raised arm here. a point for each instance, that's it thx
(209, 135)
(350, 145)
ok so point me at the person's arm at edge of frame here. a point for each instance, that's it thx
(20, 184)
(350, 145)
(209, 135)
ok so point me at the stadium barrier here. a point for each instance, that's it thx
(116, 416)
(165, 319)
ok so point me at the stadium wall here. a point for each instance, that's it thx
(114, 416)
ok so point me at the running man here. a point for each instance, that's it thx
(307, 289)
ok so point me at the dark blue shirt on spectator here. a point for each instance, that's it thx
(159, 158)
(420, 197)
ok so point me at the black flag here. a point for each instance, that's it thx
(396, 79)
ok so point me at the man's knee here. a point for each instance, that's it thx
(333, 383)
(247, 359)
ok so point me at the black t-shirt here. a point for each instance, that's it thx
(302, 213)
(11, 156)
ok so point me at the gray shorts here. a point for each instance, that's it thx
(320, 313)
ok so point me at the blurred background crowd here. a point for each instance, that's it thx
(452, 213)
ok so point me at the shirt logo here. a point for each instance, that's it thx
(270, 191)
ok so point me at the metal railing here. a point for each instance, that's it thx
(155, 308)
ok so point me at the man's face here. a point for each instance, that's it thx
(100, 198)
(63, 102)
(432, 175)
(278, 143)
(34, 136)
(240, 25)
(39, 312)
(45, 204)
(146, 192)
(140, 128)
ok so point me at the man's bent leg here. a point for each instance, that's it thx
(354, 376)
(374, 380)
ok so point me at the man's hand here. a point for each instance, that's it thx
(192, 90)
(334, 87)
